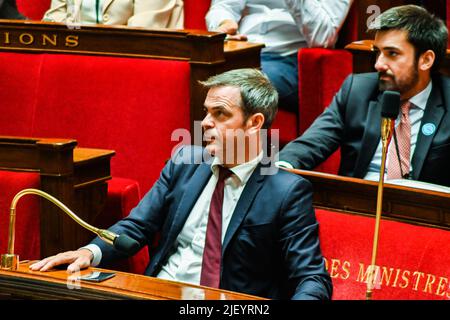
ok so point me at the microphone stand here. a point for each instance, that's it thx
(387, 128)
(10, 260)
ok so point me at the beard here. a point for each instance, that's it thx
(399, 85)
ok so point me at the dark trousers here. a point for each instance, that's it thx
(283, 73)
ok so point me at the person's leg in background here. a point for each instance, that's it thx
(283, 73)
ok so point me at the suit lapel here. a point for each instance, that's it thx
(192, 192)
(371, 139)
(433, 115)
(243, 205)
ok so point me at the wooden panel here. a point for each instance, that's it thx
(418, 206)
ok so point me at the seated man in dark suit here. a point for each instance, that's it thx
(410, 43)
(226, 218)
(8, 10)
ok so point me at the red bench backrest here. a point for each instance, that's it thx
(194, 13)
(33, 9)
(414, 260)
(321, 74)
(125, 104)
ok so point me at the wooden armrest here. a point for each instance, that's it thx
(401, 203)
(75, 176)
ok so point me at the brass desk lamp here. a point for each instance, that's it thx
(10, 260)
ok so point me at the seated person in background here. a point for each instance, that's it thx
(265, 243)
(409, 44)
(133, 13)
(8, 10)
(284, 26)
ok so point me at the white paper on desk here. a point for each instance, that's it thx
(419, 185)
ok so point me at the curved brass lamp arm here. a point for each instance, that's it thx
(10, 260)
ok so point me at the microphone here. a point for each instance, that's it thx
(125, 244)
(10, 261)
(390, 106)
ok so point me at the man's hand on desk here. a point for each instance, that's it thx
(77, 260)
(230, 27)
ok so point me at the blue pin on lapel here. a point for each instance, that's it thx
(428, 129)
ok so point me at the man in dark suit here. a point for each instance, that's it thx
(410, 43)
(265, 239)
(8, 10)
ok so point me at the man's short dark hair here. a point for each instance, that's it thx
(257, 92)
(425, 30)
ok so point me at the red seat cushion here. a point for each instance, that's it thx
(27, 238)
(414, 260)
(34, 9)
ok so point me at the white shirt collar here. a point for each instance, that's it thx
(242, 171)
(420, 99)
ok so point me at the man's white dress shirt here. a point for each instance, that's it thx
(283, 26)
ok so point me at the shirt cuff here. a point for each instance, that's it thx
(284, 164)
(96, 252)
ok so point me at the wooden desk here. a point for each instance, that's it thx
(351, 195)
(26, 284)
(206, 52)
(75, 176)
(364, 58)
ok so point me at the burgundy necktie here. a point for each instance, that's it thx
(212, 253)
(403, 132)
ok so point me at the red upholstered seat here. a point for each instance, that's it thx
(413, 260)
(18, 92)
(33, 9)
(27, 240)
(194, 13)
(321, 74)
(124, 104)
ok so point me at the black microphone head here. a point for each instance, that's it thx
(390, 104)
(125, 244)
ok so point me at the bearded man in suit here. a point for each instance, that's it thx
(410, 43)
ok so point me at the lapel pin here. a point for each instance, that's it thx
(428, 129)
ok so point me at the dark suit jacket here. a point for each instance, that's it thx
(271, 248)
(353, 121)
(8, 10)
